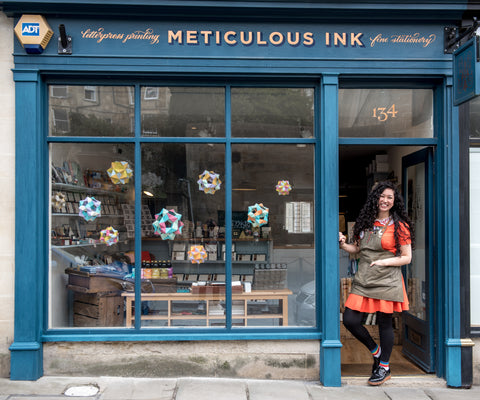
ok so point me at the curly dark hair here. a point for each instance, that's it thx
(368, 214)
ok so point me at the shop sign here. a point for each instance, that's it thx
(466, 74)
(33, 33)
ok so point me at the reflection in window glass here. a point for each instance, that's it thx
(272, 112)
(474, 117)
(474, 236)
(90, 111)
(403, 113)
(183, 111)
(191, 222)
(269, 181)
(92, 240)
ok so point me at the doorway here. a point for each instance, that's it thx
(360, 167)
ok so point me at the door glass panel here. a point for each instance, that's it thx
(183, 111)
(402, 113)
(272, 112)
(273, 254)
(415, 276)
(91, 110)
(183, 267)
(91, 251)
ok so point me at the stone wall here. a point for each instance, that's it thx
(238, 359)
(7, 200)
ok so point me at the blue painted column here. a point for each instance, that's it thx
(328, 285)
(449, 241)
(26, 350)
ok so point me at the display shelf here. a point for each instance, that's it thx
(244, 298)
(84, 189)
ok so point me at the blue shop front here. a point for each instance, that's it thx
(188, 167)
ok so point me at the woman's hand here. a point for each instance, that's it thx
(351, 248)
(341, 239)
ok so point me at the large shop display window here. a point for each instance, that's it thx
(190, 199)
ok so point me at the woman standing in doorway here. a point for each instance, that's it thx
(383, 240)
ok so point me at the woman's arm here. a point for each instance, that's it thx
(404, 258)
(351, 248)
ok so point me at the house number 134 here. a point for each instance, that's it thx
(383, 113)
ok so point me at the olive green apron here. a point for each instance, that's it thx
(376, 282)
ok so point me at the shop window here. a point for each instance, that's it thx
(402, 113)
(474, 236)
(108, 114)
(183, 111)
(90, 93)
(272, 112)
(186, 258)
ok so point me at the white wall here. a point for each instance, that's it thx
(7, 200)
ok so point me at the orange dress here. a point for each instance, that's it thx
(369, 305)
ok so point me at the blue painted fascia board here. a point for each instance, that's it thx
(269, 10)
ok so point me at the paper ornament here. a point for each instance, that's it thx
(89, 208)
(58, 201)
(120, 172)
(283, 188)
(167, 224)
(209, 182)
(109, 236)
(197, 254)
(258, 215)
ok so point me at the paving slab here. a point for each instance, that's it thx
(137, 388)
(453, 394)
(318, 392)
(208, 389)
(35, 397)
(275, 390)
(402, 393)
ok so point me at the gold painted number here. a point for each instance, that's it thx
(382, 113)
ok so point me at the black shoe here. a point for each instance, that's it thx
(376, 362)
(379, 376)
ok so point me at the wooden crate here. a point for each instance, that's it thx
(86, 282)
(102, 309)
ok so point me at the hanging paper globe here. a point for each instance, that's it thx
(197, 254)
(209, 182)
(58, 201)
(258, 215)
(109, 236)
(120, 172)
(168, 224)
(283, 188)
(89, 208)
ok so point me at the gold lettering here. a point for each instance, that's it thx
(260, 41)
(355, 39)
(192, 37)
(339, 38)
(206, 35)
(293, 42)
(279, 38)
(308, 39)
(227, 38)
(172, 36)
(217, 38)
(245, 41)
(327, 38)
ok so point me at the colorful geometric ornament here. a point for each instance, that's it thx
(197, 254)
(109, 236)
(58, 201)
(167, 224)
(89, 208)
(283, 188)
(258, 215)
(209, 182)
(120, 172)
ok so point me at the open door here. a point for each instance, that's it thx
(417, 181)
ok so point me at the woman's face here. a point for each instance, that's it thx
(386, 200)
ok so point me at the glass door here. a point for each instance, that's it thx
(418, 321)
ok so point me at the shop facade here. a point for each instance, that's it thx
(187, 170)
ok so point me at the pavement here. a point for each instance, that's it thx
(118, 388)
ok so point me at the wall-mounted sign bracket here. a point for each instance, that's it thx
(451, 41)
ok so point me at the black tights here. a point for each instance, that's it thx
(352, 320)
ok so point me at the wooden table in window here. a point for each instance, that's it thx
(280, 294)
